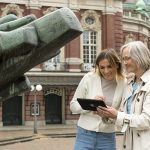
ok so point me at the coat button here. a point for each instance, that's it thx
(138, 99)
(138, 134)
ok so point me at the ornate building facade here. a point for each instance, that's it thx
(106, 24)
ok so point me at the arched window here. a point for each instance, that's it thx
(91, 38)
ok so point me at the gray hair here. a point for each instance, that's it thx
(140, 53)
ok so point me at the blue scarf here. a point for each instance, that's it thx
(135, 85)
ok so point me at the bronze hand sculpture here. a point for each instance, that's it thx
(27, 42)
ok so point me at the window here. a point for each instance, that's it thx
(91, 38)
(134, 15)
(89, 49)
(147, 1)
(89, 20)
(52, 64)
(55, 59)
(126, 13)
(12, 13)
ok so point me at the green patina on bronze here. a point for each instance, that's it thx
(27, 42)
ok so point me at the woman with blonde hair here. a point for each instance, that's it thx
(107, 83)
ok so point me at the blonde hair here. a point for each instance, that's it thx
(113, 59)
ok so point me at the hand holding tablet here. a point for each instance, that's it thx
(90, 104)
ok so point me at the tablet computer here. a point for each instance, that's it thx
(90, 104)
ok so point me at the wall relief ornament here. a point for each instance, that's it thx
(129, 38)
(49, 10)
(90, 20)
(12, 9)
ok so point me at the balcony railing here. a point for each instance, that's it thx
(51, 66)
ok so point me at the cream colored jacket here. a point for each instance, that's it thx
(89, 87)
(137, 136)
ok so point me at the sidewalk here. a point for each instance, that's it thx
(16, 134)
(9, 135)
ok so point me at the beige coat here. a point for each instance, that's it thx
(137, 135)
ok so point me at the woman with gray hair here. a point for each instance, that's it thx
(134, 114)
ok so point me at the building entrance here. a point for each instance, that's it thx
(53, 109)
(12, 111)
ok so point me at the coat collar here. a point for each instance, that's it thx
(145, 77)
(131, 79)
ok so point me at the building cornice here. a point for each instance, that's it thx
(72, 4)
(136, 21)
(37, 73)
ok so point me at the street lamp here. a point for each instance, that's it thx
(35, 88)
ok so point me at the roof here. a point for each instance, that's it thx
(140, 6)
(134, 1)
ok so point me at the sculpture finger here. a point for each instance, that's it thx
(7, 18)
(9, 26)
(17, 42)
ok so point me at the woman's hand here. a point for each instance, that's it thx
(108, 112)
(129, 75)
(102, 98)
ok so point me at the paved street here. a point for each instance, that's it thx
(48, 143)
(42, 144)
(54, 137)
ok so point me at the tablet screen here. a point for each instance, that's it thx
(90, 104)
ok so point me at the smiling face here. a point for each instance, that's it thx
(129, 63)
(107, 70)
